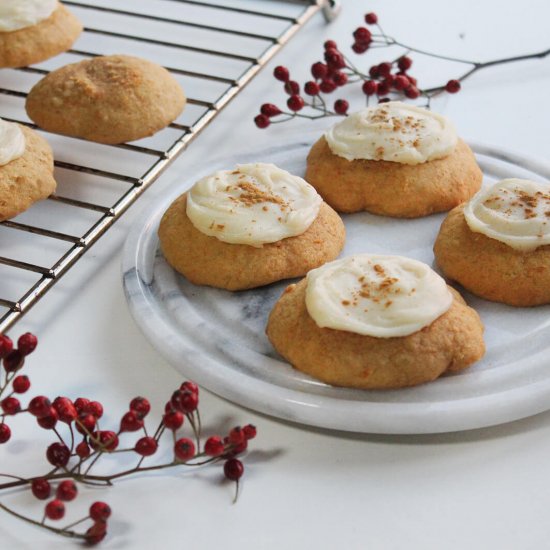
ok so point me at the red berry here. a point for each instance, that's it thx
(370, 87)
(453, 86)
(330, 45)
(269, 110)
(27, 343)
(13, 361)
(412, 80)
(55, 509)
(362, 34)
(100, 511)
(327, 86)
(58, 454)
(188, 385)
(169, 407)
(40, 406)
(5, 433)
(384, 69)
(292, 87)
(404, 63)
(374, 71)
(371, 18)
(6, 345)
(250, 431)
(41, 488)
(214, 446)
(281, 73)
(105, 439)
(340, 79)
(86, 424)
(66, 490)
(184, 449)
(146, 446)
(65, 409)
(173, 420)
(412, 92)
(95, 408)
(96, 533)
(236, 436)
(10, 405)
(185, 401)
(262, 121)
(83, 449)
(319, 70)
(131, 422)
(233, 469)
(360, 47)
(21, 383)
(48, 422)
(341, 106)
(335, 60)
(80, 404)
(400, 82)
(383, 89)
(311, 88)
(295, 103)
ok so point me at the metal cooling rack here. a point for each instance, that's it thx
(95, 182)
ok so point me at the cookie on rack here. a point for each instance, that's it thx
(497, 245)
(395, 160)
(109, 99)
(35, 30)
(248, 227)
(26, 169)
(375, 322)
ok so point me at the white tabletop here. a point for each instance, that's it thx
(303, 487)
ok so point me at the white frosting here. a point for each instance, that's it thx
(381, 296)
(19, 14)
(395, 132)
(12, 142)
(513, 211)
(253, 204)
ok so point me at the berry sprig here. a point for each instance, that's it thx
(81, 442)
(385, 81)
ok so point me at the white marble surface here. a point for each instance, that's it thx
(309, 488)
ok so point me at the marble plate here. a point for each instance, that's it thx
(217, 337)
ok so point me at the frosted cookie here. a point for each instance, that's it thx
(26, 169)
(498, 244)
(375, 322)
(109, 99)
(394, 159)
(35, 30)
(249, 227)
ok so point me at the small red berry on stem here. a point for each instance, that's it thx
(341, 106)
(370, 87)
(58, 454)
(404, 63)
(146, 446)
(96, 533)
(49, 421)
(188, 385)
(100, 511)
(362, 35)
(173, 420)
(141, 406)
(339, 78)
(184, 449)
(95, 408)
(311, 88)
(233, 469)
(250, 431)
(86, 423)
(6, 345)
(330, 45)
(214, 446)
(83, 449)
(292, 87)
(295, 103)
(360, 47)
(327, 86)
(384, 69)
(40, 406)
(131, 422)
(371, 18)
(27, 343)
(269, 110)
(184, 400)
(236, 436)
(105, 440)
(262, 121)
(80, 404)
(66, 490)
(412, 92)
(319, 70)
(55, 509)
(281, 73)
(41, 488)
(13, 361)
(5, 433)
(10, 405)
(452, 87)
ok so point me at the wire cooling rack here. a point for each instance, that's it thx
(97, 183)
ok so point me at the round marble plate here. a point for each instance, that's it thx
(217, 337)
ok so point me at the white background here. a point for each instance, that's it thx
(307, 488)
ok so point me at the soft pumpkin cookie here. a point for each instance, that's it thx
(498, 244)
(26, 169)
(35, 30)
(394, 159)
(249, 227)
(375, 322)
(108, 99)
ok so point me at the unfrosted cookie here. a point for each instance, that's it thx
(35, 30)
(26, 169)
(394, 160)
(375, 322)
(109, 99)
(498, 245)
(249, 227)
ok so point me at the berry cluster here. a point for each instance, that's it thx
(82, 441)
(382, 81)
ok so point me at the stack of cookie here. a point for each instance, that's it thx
(368, 321)
(107, 99)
